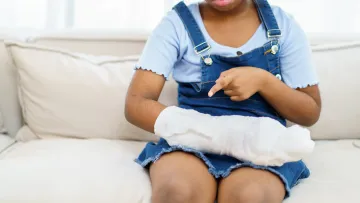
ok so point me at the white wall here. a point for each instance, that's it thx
(315, 16)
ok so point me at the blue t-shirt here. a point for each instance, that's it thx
(169, 49)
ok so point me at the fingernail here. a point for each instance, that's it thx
(211, 94)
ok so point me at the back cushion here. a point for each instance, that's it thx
(338, 67)
(75, 95)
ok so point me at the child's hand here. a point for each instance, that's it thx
(240, 83)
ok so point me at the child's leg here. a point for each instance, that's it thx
(179, 177)
(248, 185)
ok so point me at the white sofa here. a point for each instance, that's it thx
(100, 170)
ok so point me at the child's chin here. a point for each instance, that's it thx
(225, 8)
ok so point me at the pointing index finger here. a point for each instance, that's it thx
(220, 84)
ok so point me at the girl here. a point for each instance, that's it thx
(229, 57)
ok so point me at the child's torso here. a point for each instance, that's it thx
(194, 95)
(188, 67)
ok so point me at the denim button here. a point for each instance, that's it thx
(274, 49)
(278, 76)
(208, 61)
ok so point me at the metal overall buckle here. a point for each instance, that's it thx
(207, 60)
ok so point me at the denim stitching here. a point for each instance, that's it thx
(248, 55)
(198, 154)
(208, 82)
(209, 98)
(214, 97)
(266, 16)
(218, 97)
(272, 70)
(212, 170)
(186, 27)
(262, 16)
(269, 56)
(186, 12)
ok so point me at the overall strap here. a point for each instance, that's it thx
(267, 17)
(193, 29)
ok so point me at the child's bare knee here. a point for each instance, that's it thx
(175, 191)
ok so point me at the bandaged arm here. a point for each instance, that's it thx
(262, 141)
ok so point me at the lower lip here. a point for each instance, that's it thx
(222, 2)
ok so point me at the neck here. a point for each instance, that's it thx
(239, 11)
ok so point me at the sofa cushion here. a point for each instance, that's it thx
(91, 171)
(104, 171)
(75, 95)
(5, 142)
(338, 67)
(335, 176)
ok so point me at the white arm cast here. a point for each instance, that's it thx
(262, 141)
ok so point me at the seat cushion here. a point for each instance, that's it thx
(104, 171)
(335, 174)
(69, 170)
(5, 142)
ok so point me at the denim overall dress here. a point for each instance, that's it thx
(195, 96)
